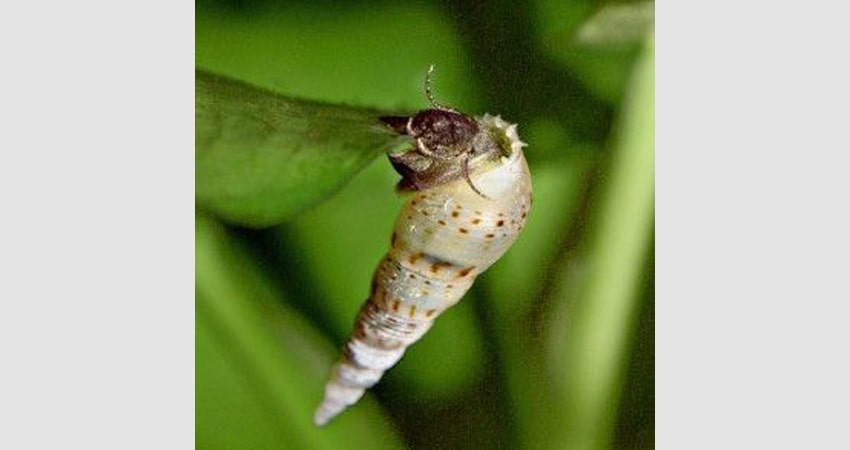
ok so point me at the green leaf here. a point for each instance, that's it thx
(260, 367)
(261, 158)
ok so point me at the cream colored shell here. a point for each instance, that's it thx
(444, 237)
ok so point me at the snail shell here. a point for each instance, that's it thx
(472, 195)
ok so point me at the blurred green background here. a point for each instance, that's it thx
(553, 347)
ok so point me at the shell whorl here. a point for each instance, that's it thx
(444, 237)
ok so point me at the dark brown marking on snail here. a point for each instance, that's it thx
(435, 267)
(464, 272)
(415, 257)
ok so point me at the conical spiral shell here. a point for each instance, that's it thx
(444, 237)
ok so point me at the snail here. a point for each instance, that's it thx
(470, 196)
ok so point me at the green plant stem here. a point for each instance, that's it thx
(590, 356)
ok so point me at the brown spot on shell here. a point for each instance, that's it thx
(412, 311)
(476, 221)
(437, 265)
(463, 230)
(441, 222)
(455, 213)
(395, 305)
(415, 257)
(430, 312)
(490, 235)
(424, 213)
(478, 213)
(394, 240)
(500, 223)
(464, 272)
